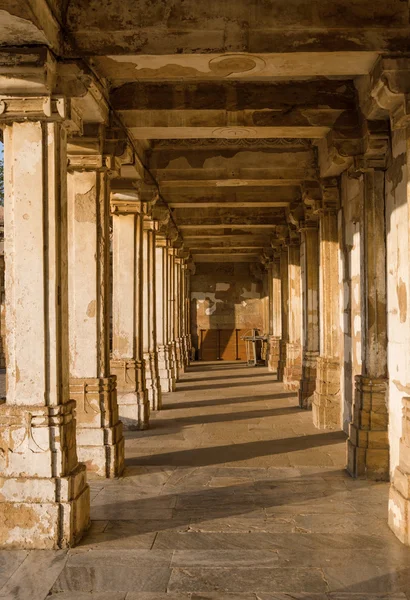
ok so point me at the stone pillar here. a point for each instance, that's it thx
(188, 311)
(178, 315)
(284, 275)
(127, 360)
(310, 314)
(368, 444)
(399, 497)
(326, 404)
(293, 365)
(149, 323)
(171, 311)
(275, 314)
(44, 499)
(100, 443)
(184, 312)
(165, 367)
(2, 312)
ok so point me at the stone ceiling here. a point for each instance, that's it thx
(232, 106)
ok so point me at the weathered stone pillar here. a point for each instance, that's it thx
(2, 311)
(310, 296)
(165, 367)
(44, 499)
(326, 404)
(178, 315)
(284, 279)
(127, 360)
(149, 323)
(399, 497)
(293, 366)
(100, 443)
(184, 312)
(275, 314)
(368, 444)
(171, 311)
(188, 310)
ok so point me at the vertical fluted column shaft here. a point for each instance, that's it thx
(100, 443)
(293, 368)
(127, 350)
(149, 322)
(275, 314)
(368, 444)
(284, 286)
(44, 494)
(310, 297)
(326, 404)
(165, 366)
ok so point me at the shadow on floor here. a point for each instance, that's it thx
(216, 455)
(269, 376)
(219, 386)
(223, 401)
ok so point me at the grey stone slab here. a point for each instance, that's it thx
(34, 578)
(88, 596)
(224, 558)
(120, 534)
(254, 522)
(10, 560)
(199, 579)
(371, 577)
(110, 570)
(214, 541)
(157, 596)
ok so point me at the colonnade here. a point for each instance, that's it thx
(69, 394)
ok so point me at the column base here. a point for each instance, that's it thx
(326, 406)
(282, 359)
(274, 354)
(165, 370)
(368, 443)
(307, 384)
(100, 443)
(152, 380)
(52, 511)
(293, 367)
(399, 506)
(132, 396)
(187, 350)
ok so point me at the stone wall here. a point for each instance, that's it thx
(227, 296)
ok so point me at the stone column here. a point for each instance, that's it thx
(44, 500)
(127, 360)
(178, 315)
(100, 443)
(188, 311)
(326, 404)
(368, 444)
(399, 497)
(165, 367)
(284, 312)
(275, 314)
(310, 352)
(184, 312)
(149, 323)
(2, 311)
(293, 366)
(171, 311)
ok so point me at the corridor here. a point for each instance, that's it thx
(232, 493)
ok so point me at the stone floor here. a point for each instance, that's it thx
(231, 494)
